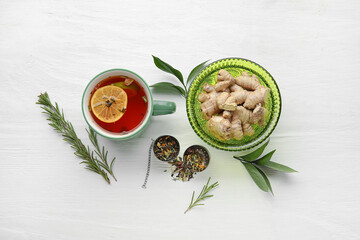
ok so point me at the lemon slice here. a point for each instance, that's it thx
(109, 103)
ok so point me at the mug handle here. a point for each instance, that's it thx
(163, 107)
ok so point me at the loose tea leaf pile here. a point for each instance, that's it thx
(166, 148)
(196, 159)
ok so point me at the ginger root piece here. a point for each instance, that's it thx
(223, 85)
(221, 98)
(245, 116)
(224, 75)
(208, 88)
(259, 115)
(248, 82)
(203, 97)
(248, 130)
(224, 80)
(239, 94)
(226, 102)
(257, 94)
(236, 126)
(248, 117)
(220, 127)
(236, 129)
(210, 106)
(229, 104)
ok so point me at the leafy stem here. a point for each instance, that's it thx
(202, 196)
(57, 120)
(255, 167)
(183, 90)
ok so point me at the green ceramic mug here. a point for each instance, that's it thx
(154, 108)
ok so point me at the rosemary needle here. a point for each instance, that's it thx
(203, 195)
(60, 124)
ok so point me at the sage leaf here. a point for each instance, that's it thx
(264, 159)
(266, 179)
(279, 167)
(168, 68)
(256, 176)
(255, 154)
(167, 85)
(194, 72)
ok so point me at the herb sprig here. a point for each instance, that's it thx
(202, 196)
(102, 154)
(57, 120)
(255, 167)
(183, 90)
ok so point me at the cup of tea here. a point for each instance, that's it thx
(118, 104)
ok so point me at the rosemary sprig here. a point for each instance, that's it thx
(102, 154)
(61, 125)
(202, 196)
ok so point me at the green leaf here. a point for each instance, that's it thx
(194, 72)
(279, 167)
(167, 85)
(264, 159)
(168, 68)
(266, 179)
(237, 157)
(256, 176)
(255, 154)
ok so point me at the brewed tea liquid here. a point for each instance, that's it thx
(135, 111)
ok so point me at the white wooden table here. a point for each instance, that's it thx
(312, 48)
